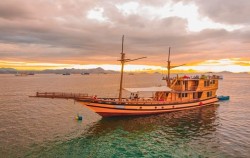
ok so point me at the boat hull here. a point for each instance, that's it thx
(223, 97)
(110, 110)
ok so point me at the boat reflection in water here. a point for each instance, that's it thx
(166, 135)
(182, 123)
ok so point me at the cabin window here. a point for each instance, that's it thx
(206, 83)
(199, 94)
(184, 95)
(196, 83)
(179, 95)
(212, 82)
(209, 94)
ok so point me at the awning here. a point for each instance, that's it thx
(149, 89)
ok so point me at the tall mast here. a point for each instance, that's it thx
(122, 68)
(123, 61)
(169, 67)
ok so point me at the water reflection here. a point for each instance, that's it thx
(188, 123)
(154, 136)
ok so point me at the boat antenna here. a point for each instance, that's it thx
(123, 60)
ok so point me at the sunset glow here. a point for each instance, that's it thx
(235, 65)
(205, 35)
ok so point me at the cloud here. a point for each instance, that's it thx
(63, 31)
(9, 10)
(224, 11)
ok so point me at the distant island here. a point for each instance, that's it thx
(98, 70)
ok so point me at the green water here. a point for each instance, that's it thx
(189, 133)
(31, 127)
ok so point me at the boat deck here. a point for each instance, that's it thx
(76, 96)
(141, 101)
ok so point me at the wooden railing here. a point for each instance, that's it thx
(61, 95)
(139, 101)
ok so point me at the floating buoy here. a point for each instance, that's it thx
(222, 97)
(78, 117)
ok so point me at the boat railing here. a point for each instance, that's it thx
(196, 77)
(61, 95)
(137, 101)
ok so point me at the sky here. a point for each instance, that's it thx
(209, 35)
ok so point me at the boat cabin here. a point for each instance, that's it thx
(189, 88)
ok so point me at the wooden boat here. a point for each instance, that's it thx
(21, 74)
(85, 73)
(180, 93)
(31, 73)
(67, 73)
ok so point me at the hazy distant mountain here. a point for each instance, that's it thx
(78, 71)
(59, 71)
(7, 70)
(98, 70)
(224, 72)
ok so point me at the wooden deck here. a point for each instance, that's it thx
(62, 95)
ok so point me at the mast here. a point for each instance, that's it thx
(169, 67)
(123, 61)
(122, 68)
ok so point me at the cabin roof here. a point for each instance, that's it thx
(149, 89)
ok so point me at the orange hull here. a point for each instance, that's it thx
(109, 110)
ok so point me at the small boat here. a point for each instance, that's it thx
(78, 117)
(85, 73)
(31, 73)
(179, 93)
(222, 97)
(21, 74)
(67, 73)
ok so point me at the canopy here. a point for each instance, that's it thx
(149, 89)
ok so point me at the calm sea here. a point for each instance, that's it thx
(38, 127)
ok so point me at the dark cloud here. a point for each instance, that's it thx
(54, 31)
(9, 10)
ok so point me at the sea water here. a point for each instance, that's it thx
(39, 127)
